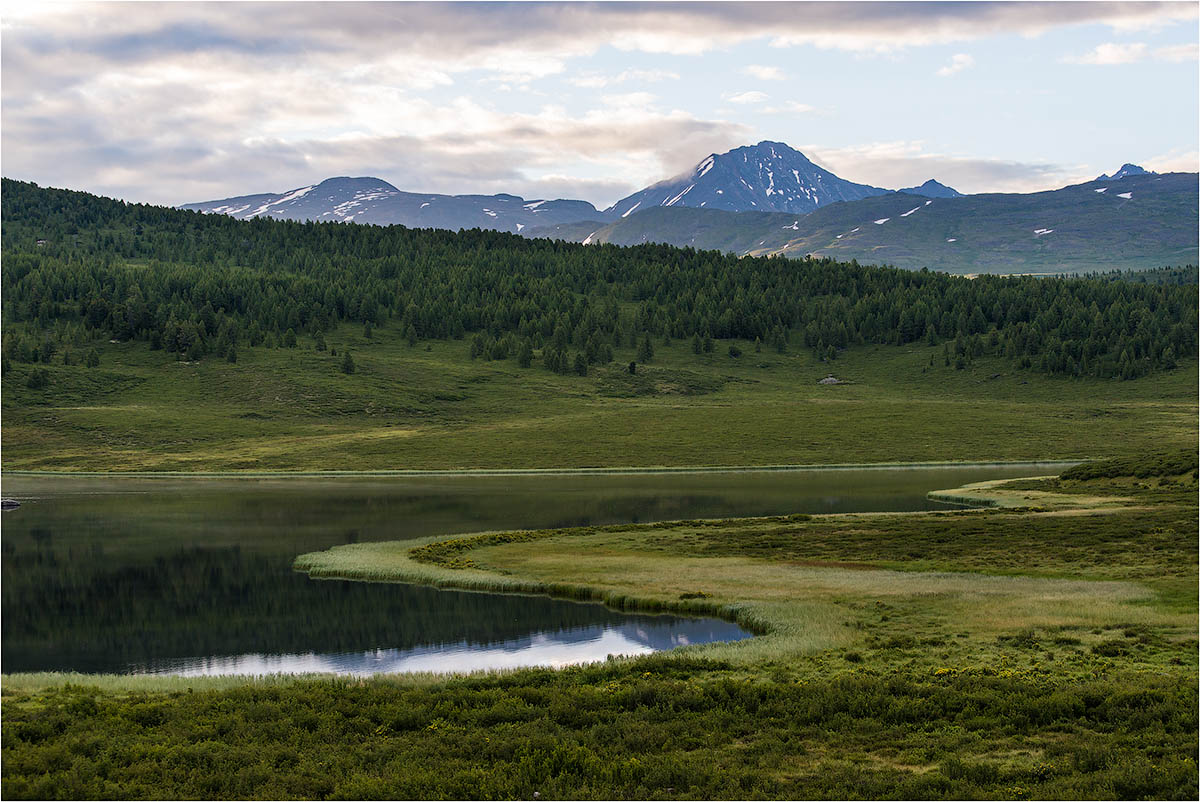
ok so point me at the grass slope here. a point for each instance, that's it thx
(432, 408)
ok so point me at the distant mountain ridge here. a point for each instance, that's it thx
(373, 200)
(767, 177)
(1148, 221)
(932, 189)
(771, 199)
(1126, 170)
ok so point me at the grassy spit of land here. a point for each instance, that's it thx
(1045, 652)
(432, 408)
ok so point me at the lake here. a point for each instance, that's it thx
(193, 576)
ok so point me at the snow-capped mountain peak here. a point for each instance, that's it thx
(1126, 170)
(767, 177)
(372, 200)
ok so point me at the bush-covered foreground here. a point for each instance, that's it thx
(660, 727)
(1011, 653)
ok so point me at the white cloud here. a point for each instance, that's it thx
(747, 97)
(1178, 53)
(594, 80)
(907, 163)
(1111, 53)
(790, 107)
(1175, 161)
(763, 73)
(958, 63)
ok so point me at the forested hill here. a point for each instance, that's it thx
(79, 267)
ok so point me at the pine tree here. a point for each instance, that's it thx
(347, 364)
(93, 359)
(38, 379)
(646, 350)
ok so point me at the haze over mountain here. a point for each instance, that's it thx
(373, 200)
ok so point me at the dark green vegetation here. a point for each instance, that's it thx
(1083, 230)
(1185, 274)
(1141, 466)
(141, 338)
(1071, 676)
(661, 728)
(214, 284)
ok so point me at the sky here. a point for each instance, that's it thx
(177, 102)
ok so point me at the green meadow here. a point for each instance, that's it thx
(431, 407)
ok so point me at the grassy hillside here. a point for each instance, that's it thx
(431, 407)
(1088, 230)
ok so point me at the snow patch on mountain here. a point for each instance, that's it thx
(769, 176)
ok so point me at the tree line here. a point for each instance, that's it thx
(78, 267)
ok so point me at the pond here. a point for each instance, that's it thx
(193, 576)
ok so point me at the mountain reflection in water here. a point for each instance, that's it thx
(551, 648)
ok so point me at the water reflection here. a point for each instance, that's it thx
(113, 575)
(550, 648)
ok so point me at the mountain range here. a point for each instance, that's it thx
(770, 199)
(1141, 222)
(767, 177)
(373, 200)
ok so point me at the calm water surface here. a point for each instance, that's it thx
(193, 576)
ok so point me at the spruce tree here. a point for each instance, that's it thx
(645, 351)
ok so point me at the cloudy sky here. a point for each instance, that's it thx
(179, 102)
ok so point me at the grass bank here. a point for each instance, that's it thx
(616, 471)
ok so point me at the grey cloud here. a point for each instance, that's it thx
(91, 98)
(447, 31)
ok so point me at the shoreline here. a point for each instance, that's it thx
(595, 471)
